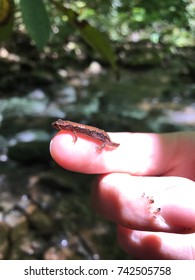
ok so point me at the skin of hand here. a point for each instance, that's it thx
(146, 186)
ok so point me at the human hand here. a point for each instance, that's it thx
(146, 187)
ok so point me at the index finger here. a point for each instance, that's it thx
(138, 153)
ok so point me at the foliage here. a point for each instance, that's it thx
(156, 21)
(168, 22)
(36, 21)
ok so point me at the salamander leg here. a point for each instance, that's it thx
(100, 147)
(75, 137)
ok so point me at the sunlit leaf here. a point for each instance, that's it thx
(6, 18)
(98, 42)
(96, 39)
(36, 20)
(5, 10)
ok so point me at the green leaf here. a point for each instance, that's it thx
(36, 20)
(98, 42)
(96, 39)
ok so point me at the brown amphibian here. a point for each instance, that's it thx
(91, 131)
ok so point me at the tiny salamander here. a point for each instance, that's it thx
(84, 129)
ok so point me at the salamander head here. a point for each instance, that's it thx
(59, 124)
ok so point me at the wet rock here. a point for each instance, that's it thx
(17, 223)
(7, 201)
(83, 247)
(42, 222)
(61, 179)
(20, 107)
(94, 68)
(66, 95)
(28, 247)
(4, 240)
(32, 111)
(54, 253)
(29, 145)
(40, 195)
(3, 145)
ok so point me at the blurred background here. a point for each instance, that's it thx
(119, 65)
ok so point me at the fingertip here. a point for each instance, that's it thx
(122, 233)
(51, 147)
(140, 245)
(60, 149)
(79, 156)
(54, 146)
